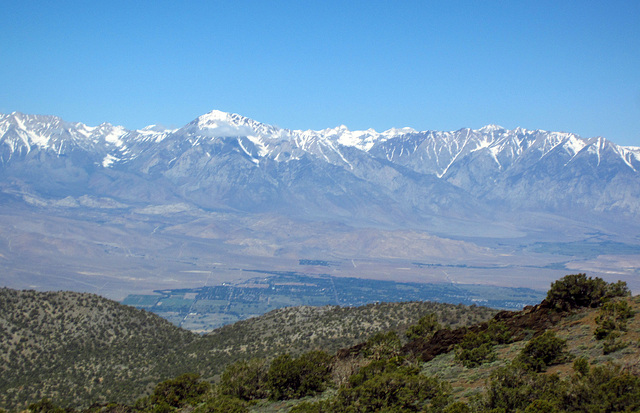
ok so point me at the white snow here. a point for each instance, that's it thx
(485, 143)
(115, 136)
(262, 149)
(109, 160)
(626, 156)
(490, 128)
(442, 149)
(573, 145)
(217, 124)
(214, 116)
(254, 160)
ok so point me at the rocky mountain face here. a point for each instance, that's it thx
(224, 161)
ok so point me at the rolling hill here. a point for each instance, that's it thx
(79, 348)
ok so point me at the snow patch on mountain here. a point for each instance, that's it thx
(217, 124)
(108, 161)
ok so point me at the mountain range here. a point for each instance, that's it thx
(231, 182)
(226, 161)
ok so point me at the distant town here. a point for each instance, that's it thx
(206, 308)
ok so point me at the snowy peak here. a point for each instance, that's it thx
(491, 128)
(360, 139)
(218, 119)
(218, 124)
(21, 135)
(44, 131)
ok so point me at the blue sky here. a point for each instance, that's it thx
(431, 65)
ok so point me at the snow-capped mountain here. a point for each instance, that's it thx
(223, 160)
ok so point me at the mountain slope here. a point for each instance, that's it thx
(80, 348)
(74, 346)
(572, 352)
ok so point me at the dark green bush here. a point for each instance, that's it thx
(604, 389)
(514, 388)
(581, 366)
(606, 327)
(612, 344)
(312, 407)
(499, 332)
(542, 351)
(45, 406)
(383, 345)
(478, 347)
(378, 367)
(186, 389)
(542, 406)
(578, 290)
(245, 380)
(611, 318)
(425, 328)
(473, 357)
(457, 407)
(400, 389)
(290, 378)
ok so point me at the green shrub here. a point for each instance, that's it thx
(499, 332)
(383, 345)
(45, 406)
(245, 380)
(604, 389)
(311, 407)
(576, 290)
(475, 356)
(514, 388)
(290, 378)
(581, 366)
(613, 344)
(478, 347)
(606, 327)
(377, 367)
(457, 407)
(542, 351)
(612, 318)
(425, 328)
(541, 406)
(186, 389)
(395, 389)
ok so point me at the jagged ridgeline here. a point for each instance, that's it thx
(78, 349)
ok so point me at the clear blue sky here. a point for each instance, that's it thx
(443, 65)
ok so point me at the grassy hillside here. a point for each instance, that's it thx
(296, 330)
(577, 351)
(577, 328)
(78, 349)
